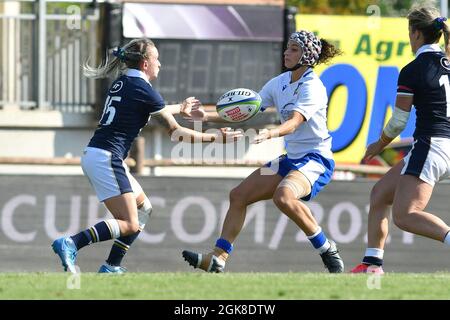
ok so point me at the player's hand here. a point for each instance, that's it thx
(373, 149)
(226, 135)
(188, 105)
(197, 114)
(263, 135)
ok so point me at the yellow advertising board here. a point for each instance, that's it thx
(362, 82)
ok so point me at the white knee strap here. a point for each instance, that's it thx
(144, 213)
(297, 183)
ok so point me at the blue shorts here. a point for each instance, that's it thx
(317, 169)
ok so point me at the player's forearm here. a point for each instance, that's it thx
(174, 108)
(212, 116)
(385, 140)
(183, 134)
(284, 129)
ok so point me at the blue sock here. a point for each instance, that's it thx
(99, 232)
(319, 241)
(225, 245)
(120, 248)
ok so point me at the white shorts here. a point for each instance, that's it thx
(108, 174)
(429, 159)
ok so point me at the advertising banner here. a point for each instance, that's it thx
(188, 214)
(361, 83)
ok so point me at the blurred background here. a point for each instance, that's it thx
(49, 110)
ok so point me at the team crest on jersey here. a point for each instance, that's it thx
(116, 87)
(445, 63)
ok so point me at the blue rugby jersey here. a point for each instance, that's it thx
(130, 102)
(426, 78)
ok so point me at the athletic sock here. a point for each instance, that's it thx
(102, 231)
(447, 238)
(319, 241)
(373, 256)
(120, 248)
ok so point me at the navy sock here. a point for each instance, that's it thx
(120, 248)
(99, 232)
(81, 239)
(372, 261)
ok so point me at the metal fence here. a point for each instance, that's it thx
(43, 45)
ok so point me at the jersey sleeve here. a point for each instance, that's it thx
(407, 80)
(311, 99)
(266, 95)
(154, 102)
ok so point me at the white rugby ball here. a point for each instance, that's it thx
(238, 105)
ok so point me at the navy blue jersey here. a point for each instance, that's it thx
(427, 79)
(130, 102)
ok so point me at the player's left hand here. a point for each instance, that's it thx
(188, 105)
(263, 135)
(373, 149)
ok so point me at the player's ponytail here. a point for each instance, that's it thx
(129, 56)
(446, 32)
(328, 52)
(428, 21)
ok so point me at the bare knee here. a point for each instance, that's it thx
(281, 200)
(237, 197)
(400, 220)
(129, 227)
(379, 196)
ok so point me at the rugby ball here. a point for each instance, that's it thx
(238, 105)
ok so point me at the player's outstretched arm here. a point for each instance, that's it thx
(184, 107)
(200, 114)
(287, 127)
(179, 133)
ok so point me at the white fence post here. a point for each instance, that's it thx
(42, 54)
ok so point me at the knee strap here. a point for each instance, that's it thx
(144, 213)
(297, 183)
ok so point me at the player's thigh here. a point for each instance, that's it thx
(123, 207)
(137, 188)
(260, 185)
(425, 165)
(294, 185)
(412, 194)
(384, 190)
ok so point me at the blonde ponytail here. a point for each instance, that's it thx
(129, 56)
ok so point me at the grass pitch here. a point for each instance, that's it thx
(228, 286)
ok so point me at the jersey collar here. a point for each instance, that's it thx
(428, 48)
(137, 74)
(304, 75)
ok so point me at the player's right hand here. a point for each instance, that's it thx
(226, 135)
(197, 113)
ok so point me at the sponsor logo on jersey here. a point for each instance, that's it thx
(116, 87)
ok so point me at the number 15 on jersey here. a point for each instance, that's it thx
(109, 111)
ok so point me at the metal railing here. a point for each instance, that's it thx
(355, 168)
(43, 45)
